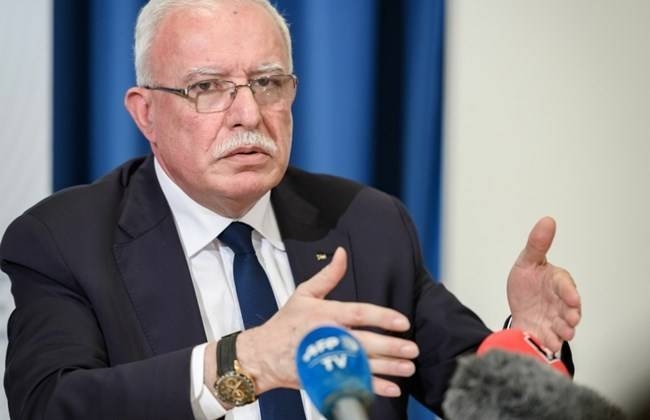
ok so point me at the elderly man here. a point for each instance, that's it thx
(138, 296)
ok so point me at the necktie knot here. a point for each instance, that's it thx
(238, 238)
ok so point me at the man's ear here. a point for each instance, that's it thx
(137, 101)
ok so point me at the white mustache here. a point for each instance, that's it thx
(245, 138)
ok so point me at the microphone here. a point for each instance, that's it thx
(521, 342)
(507, 383)
(333, 368)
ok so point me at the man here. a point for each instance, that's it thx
(127, 290)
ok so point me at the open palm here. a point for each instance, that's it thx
(543, 298)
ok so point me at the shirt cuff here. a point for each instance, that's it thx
(204, 404)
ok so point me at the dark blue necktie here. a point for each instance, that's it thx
(257, 304)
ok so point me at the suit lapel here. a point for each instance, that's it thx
(150, 258)
(151, 261)
(310, 240)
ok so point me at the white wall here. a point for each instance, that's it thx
(548, 113)
(25, 126)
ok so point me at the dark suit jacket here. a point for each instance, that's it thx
(106, 314)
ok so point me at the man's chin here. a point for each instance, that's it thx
(249, 185)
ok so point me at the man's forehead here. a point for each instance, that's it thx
(213, 42)
(218, 11)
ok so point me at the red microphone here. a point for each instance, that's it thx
(523, 343)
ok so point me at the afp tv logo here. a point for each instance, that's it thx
(331, 352)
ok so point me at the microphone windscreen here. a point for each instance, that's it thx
(332, 365)
(508, 386)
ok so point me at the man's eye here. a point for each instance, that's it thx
(268, 82)
(211, 86)
(205, 86)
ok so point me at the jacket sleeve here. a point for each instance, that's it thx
(442, 327)
(57, 364)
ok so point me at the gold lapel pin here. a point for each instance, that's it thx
(320, 256)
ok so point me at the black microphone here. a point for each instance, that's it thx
(508, 386)
(333, 368)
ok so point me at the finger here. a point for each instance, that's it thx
(385, 388)
(354, 314)
(539, 242)
(326, 279)
(386, 346)
(565, 289)
(392, 367)
(571, 316)
(562, 330)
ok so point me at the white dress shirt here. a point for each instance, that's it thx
(211, 268)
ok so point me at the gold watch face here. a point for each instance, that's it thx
(235, 388)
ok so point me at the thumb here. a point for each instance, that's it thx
(326, 279)
(539, 242)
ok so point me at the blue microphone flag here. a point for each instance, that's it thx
(332, 365)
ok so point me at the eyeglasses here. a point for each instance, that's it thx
(215, 95)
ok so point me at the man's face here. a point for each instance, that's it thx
(237, 42)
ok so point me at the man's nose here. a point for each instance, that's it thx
(244, 110)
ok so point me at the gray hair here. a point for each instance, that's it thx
(153, 13)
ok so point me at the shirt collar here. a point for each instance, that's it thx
(198, 225)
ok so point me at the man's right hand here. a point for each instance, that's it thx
(268, 352)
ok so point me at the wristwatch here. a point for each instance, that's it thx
(233, 386)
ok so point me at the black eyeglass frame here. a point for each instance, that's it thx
(185, 92)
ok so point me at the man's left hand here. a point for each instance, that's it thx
(543, 298)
